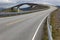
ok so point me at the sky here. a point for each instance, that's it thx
(55, 2)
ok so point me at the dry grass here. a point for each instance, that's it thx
(45, 37)
(56, 32)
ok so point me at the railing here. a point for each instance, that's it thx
(49, 27)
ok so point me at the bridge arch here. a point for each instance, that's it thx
(30, 5)
(24, 6)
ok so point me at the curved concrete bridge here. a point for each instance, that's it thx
(32, 6)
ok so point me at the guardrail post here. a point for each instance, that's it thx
(18, 9)
(49, 27)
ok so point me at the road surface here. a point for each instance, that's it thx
(22, 27)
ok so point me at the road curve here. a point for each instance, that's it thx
(22, 27)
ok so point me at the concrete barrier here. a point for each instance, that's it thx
(2, 14)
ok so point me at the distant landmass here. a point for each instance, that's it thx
(25, 9)
(1, 8)
(4, 5)
(58, 6)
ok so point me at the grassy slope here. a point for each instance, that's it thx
(56, 31)
(45, 37)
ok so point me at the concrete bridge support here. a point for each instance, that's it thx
(12, 9)
(18, 9)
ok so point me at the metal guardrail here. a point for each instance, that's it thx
(49, 27)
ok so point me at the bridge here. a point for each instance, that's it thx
(32, 6)
(25, 27)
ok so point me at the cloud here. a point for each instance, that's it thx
(6, 1)
(56, 2)
(13, 1)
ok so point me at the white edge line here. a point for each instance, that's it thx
(38, 28)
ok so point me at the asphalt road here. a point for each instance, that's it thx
(22, 27)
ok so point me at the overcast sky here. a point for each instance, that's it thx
(56, 2)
